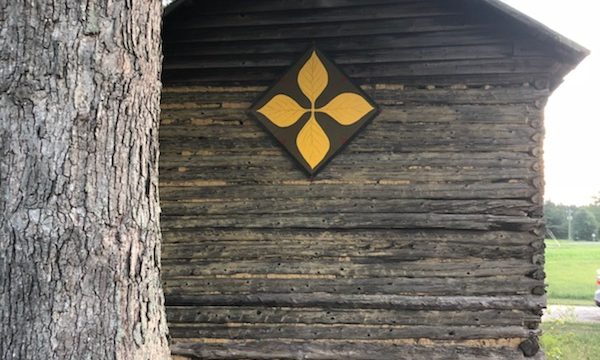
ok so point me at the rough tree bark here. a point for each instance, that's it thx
(79, 213)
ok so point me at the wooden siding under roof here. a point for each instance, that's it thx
(422, 239)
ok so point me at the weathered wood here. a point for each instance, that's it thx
(366, 267)
(192, 176)
(226, 314)
(412, 72)
(356, 350)
(374, 10)
(404, 135)
(363, 27)
(424, 161)
(332, 44)
(502, 134)
(328, 237)
(379, 188)
(422, 239)
(356, 221)
(422, 302)
(500, 79)
(511, 96)
(405, 174)
(491, 285)
(241, 6)
(390, 350)
(198, 115)
(346, 332)
(364, 142)
(369, 246)
(477, 116)
(293, 205)
(457, 52)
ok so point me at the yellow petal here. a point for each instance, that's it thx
(312, 142)
(282, 110)
(313, 78)
(347, 108)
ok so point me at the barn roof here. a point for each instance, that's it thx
(535, 28)
(566, 51)
(529, 24)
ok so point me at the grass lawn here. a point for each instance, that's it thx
(571, 272)
(571, 341)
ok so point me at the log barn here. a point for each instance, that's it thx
(421, 239)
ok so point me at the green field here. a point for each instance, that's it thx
(571, 341)
(571, 271)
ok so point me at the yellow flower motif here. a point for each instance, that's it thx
(346, 108)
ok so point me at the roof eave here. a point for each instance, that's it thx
(541, 31)
(570, 52)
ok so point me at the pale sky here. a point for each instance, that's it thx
(572, 145)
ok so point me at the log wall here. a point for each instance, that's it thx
(422, 239)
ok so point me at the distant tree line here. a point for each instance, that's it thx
(585, 223)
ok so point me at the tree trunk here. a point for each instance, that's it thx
(79, 213)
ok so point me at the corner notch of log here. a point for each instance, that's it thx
(530, 346)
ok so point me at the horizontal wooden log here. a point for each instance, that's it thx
(332, 301)
(443, 130)
(467, 68)
(370, 140)
(436, 116)
(188, 165)
(380, 92)
(473, 80)
(369, 246)
(226, 314)
(173, 176)
(198, 176)
(344, 332)
(423, 161)
(353, 350)
(374, 56)
(320, 189)
(311, 15)
(241, 6)
(443, 96)
(237, 120)
(355, 221)
(503, 133)
(356, 267)
(353, 162)
(364, 142)
(364, 237)
(377, 137)
(399, 119)
(493, 285)
(220, 126)
(368, 173)
(362, 27)
(294, 205)
(389, 39)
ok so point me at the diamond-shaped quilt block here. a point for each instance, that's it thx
(314, 110)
